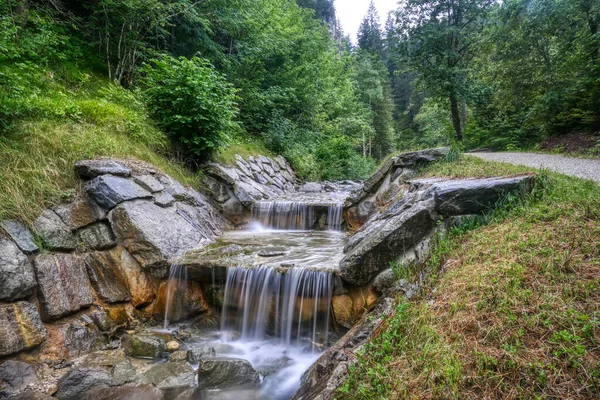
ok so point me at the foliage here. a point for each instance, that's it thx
(192, 102)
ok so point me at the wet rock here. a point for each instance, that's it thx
(140, 225)
(169, 375)
(197, 353)
(80, 213)
(140, 286)
(89, 169)
(271, 253)
(143, 346)
(21, 236)
(79, 337)
(186, 300)
(80, 380)
(64, 287)
(15, 376)
(109, 191)
(16, 273)
(386, 243)
(343, 310)
(177, 356)
(97, 236)
(120, 367)
(107, 277)
(311, 187)
(224, 372)
(22, 327)
(126, 392)
(54, 232)
(164, 200)
(173, 345)
(149, 183)
(111, 318)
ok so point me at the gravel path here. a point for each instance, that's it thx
(579, 167)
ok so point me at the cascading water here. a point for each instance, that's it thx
(291, 215)
(176, 285)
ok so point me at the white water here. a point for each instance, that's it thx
(176, 285)
(292, 215)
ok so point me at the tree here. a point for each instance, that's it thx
(439, 38)
(369, 32)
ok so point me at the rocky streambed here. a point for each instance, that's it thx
(258, 286)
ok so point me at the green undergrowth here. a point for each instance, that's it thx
(510, 309)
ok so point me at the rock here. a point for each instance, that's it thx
(173, 345)
(174, 188)
(21, 236)
(140, 286)
(15, 376)
(177, 356)
(89, 169)
(386, 241)
(54, 232)
(97, 236)
(120, 367)
(472, 196)
(80, 380)
(169, 375)
(197, 353)
(311, 187)
(140, 225)
(218, 190)
(186, 300)
(109, 191)
(16, 273)
(243, 166)
(247, 193)
(143, 346)
(421, 157)
(384, 280)
(164, 200)
(79, 337)
(111, 318)
(64, 285)
(80, 213)
(149, 183)
(107, 277)
(126, 392)
(32, 395)
(343, 310)
(371, 184)
(224, 372)
(22, 327)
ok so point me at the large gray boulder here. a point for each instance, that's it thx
(98, 236)
(17, 280)
(20, 235)
(22, 328)
(133, 391)
(89, 169)
(109, 191)
(54, 232)
(15, 376)
(169, 375)
(107, 277)
(224, 372)
(64, 286)
(80, 380)
(153, 234)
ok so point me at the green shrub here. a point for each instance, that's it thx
(194, 104)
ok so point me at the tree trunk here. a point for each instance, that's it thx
(455, 117)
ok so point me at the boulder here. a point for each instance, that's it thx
(311, 187)
(15, 376)
(80, 213)
(384, 280)
(22, 328)
(64, 286)
(21, 236)
(421, 157)
(98, 236)
(111, 318)
(169, 375)
(138, 391)
(120, 367)
(89, 169)
(109, 191)
(79, 336)
(140, 286)
(224, 372)
(80, 380)
(184, 298)
(17, 280)
(198, 353)
(387, 242)
(107, 277)
(472, 196)
(143, 346)
(141, 226)
(54, 232)
(342, 308)
(174, 188)
(149, 183)
(164, 200)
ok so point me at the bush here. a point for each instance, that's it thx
(194, 104)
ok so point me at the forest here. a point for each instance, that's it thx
(282, 75)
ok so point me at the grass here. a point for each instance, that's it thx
(243, 147)
(511, 310)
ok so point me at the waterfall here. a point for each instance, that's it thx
(176, 285)
(291, 215)
(291, 304)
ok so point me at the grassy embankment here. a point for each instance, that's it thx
(510, 310)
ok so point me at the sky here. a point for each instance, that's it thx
(352, 12)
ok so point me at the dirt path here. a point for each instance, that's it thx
(579, 167)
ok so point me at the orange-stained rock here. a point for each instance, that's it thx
(184, 300)
(141, 288)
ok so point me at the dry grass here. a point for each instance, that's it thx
(515, 313)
